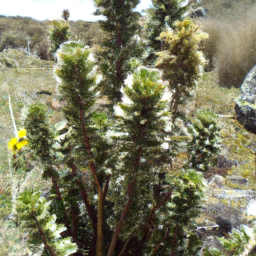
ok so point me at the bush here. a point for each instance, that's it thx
(59, 33)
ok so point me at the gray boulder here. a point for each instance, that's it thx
(246, 103)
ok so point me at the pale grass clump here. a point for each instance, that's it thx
(231, 47)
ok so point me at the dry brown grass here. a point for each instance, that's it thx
(231, 47)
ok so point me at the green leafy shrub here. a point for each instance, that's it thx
(59, 33)
(234, 245)
(112, 184)
(35, 216)
(204, 147)
(181, 60)
(111, 187)
(162, 14)
(119, 46)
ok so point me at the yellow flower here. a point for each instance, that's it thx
(22, 133)
(17, 143)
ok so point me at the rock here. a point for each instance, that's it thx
(238, 180)
(246, 103)
(224, 224)
(224, 162)
(10, 216)
(44, 92)
(251, 207)
(217, 182)
(199, 12)
(234, 194)
(216, 171)
(232, 214)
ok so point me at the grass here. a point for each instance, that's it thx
(231, 47)
(22, 84)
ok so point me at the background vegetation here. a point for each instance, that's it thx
(15, 32)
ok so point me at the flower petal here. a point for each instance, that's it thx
(21, 144)
(12, 144)
(22, 133)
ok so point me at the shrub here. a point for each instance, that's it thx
(119, 46)
(180, 60)
(111, 184)
(59, 33)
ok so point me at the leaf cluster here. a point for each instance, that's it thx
(204, 146)
(34, 214)
(59, 33)
(162, 14)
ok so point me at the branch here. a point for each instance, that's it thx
(124, 247)
(105, 190)
(174, 240)
(59, 198)
(90, 210)
(74, 220)
(147, 227)
(89, 150)
(43, 236)
(123, 215)
(157, 248)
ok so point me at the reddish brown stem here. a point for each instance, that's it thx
(119, 38)
(74, 220)
(90, 210)
(124, 213)
(158, 246)
(120, 223)
(149, 222)
(174, 240)
(119, 77)
(105, 190)
(100, 223)
(48, 247)
(89, 150)
(100, 220)
(119, 62)
(59, 198)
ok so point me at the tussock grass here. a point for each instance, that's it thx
(231, 47)
(209, 95)
(225, 8)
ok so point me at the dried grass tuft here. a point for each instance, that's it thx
(231, 48)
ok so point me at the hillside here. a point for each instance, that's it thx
(17, 32)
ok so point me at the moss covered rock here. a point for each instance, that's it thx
(246, 102)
